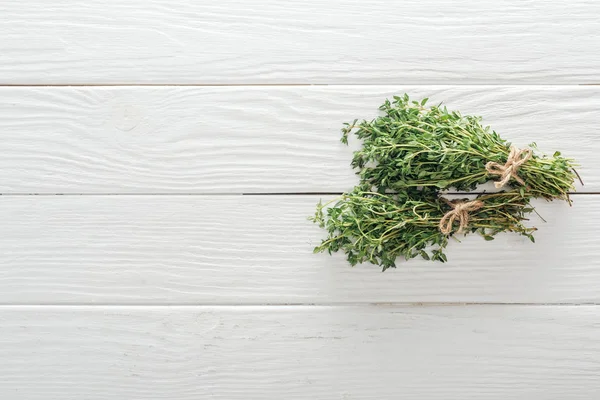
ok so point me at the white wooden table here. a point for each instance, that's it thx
(159, 160)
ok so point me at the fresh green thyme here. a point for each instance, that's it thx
(408, 156)
(377, 228)
(412, 145)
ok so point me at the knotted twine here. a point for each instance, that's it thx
(516, 158)
(460, 211)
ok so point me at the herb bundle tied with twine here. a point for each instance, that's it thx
(412, 153)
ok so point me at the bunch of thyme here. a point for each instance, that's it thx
(408, 156)
(376, 227)
(411, 145)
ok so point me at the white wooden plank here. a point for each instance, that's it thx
(267, 41)
(474, 352)
(248, 139)
(258, 250)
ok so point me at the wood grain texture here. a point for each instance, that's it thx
(258, 250)
(248, 139)
(266, 41)
(379, 353)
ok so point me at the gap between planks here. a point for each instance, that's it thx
(239, 194)
(446, 83)
(299, 305)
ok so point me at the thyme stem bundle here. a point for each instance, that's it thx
(378, 228)
(408, 156)
(414, 146)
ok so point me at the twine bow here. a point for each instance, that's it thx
(460, 211)
(516, 158)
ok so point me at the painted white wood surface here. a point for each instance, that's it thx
(268, 41)
(249, 139)
(364, 352)
(258, 250)
(121, 293)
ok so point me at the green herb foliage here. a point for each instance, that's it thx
(408, 156)
(377, 228)
(412, 146)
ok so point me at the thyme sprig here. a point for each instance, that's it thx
(409, 155)
(378, 228)
(411, 145)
